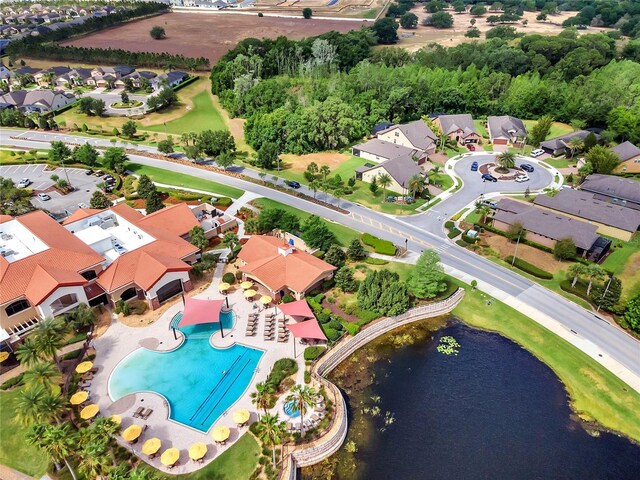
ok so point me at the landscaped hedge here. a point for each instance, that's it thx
(528, 268)
(375, 261)
(351, 328)
(12, 382)
(282, 369)
(580, 289)
(383, 247)
(453, 232)
(229, 278)
(223, 202)
(311, 353)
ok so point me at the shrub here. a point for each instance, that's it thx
(375, 261)
(453, 233)
(365, 316)
(468, 239)
(331, 334)
(12, 382)
(311, 353)
(72, 355)
(223, 202)
(528, 268)
(383, 247)
(307, 376)
(282, 369)
(123, 308)
(288, 298)
(448, 224)
(579, 290)
(351, 328)
(138, 307)
(462, 243)
(229, 278)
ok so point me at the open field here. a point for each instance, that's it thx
(200, 115)
(206, 35)
(595, 392)
(625, 263)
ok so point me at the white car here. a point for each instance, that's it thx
(24, 183)
(522, 178)
(537, 152)
(44, 197)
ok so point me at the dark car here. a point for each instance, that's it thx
(88, 172)
(471, 147)
(292, 184)
(487, 177)
(526, 167)
(474, 167)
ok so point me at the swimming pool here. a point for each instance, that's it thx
(291, 409)
(199, 382)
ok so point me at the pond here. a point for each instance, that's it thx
(492, 411)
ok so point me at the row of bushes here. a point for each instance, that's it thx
(383, 247)
(579, 290)
(332, 325)
(311, 353)
(283, 368)
(12, 382)
(528, 268)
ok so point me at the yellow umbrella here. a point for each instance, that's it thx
(265, 299)
(89, 411)
(197, 451)
(79, 397)
(3, 356)
(170, 456)
(151, 446)
(250, 293)
(84, 367)
(246, 284)
(224, 286)
(132, 432)
(241, 416)
(117, 419)
(220, 434)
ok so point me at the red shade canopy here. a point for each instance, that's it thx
(307, 329)
(200, 311)
(299, 308)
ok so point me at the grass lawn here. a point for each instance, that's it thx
(559, 162)
(596, 394)
(444, 180)
(361, 194)
(176, 179)
(624, 262)
(202, 116)
(481, 129)
(557, 128)
(14, 451)
(344, 234)
(402, 269)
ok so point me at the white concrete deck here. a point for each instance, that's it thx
(120, 340)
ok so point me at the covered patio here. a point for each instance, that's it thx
(306, 326)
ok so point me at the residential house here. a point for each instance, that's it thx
(137, 78)
(5, 74)
(629, 155)
(73, 78)
(559, 145)
(415, 135)
(38, 100)
(616, 190)
(506, 130)
(459, 128)
(612, 220)
(169, 79)
(46, 78)
(401, 169)
(378, 150)
(282, 268)
(546, 228)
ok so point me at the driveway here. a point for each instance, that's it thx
(84, 185)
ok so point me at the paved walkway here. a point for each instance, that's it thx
(7, 473)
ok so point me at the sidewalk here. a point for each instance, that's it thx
(7, 473)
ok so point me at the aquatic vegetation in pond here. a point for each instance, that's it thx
(448, 346)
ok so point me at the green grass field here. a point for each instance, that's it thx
(14, 451)
(361, 194)
(480, 128)
(344, 234)
(176, 179)
(202, 116)
(618, 263)
(596, 394)
(556, 130)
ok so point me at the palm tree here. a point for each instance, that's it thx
(92, 461)
(416, 184)
(57, 440)
(575, 144)
(302, 395)
(594, 272)
(576, 270)
(29, 352)
(29, 405)
(141, 473)
(314, 185)
(103, 430)
(261, 398)
(271, 431)
(432, 174)
(82, 316)
(324, 171)
(54, 406)
(43, 374)
(384, 180)
(484, 210)
(49, 334)
(506, 159)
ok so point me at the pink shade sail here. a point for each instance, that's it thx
(307, 329)
(197, 312)
(298, 308)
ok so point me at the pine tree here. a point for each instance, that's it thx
(427, 278)
(356, 250)
(153, 202)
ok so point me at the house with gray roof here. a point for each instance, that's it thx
(545, 227)
(415, 135)
(629, 155)
(459, 128)
(169, 79)
(401, 169)
(611, 219)
(617, 190)
(506, 130)
(37, 100)
(378, 151)
(558, 145)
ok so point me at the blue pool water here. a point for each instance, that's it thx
(291, 409)
(199, 382)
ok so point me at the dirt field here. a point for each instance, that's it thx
(207, 35)
(298, 163)
(536, 257)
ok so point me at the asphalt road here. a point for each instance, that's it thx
(601, 340)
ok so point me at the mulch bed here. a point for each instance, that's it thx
(333, 308)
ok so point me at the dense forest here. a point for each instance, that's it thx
(327, 92)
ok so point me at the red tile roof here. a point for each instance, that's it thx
(178, 219)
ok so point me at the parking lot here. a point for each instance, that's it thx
(83, 184)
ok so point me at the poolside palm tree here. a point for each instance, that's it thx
(49, 335)
(103, 430)
(302, 395)
(81, 317)
(261, 398)
(384, 180)
(506, 160)
(54, 406)
(44, 374)
(141, 473)
(271, 431)
(58, 441)
(92, 460)
(416, 184)
(29, 352)
(29, 405)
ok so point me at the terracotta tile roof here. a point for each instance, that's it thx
(297, 270)
(80, 214)
(126, 212)
(46, 279)
(65, 253)
(177, 219)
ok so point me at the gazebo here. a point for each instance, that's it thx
(197, 312)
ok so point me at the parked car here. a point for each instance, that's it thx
(98, 173)
(471, 147)
(474, 167)
(487, 177)
(526, 167)
(522, 178)
(88, 172)
(24, 183)
(292, 184)
(44, 197)
(490, 203)
(83, 205)
(537, 152)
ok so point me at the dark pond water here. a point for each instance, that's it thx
(491, 412)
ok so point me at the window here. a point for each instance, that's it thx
(397, 134)
(63, 302)
(128, 294)
(17, 307)
(89, 274)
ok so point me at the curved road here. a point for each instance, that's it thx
(607, 344)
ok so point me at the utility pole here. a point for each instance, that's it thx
(516, 250)
(604, 293)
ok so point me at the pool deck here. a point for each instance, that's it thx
(120, 340)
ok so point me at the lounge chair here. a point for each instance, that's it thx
(138, 412)
(146, 415)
